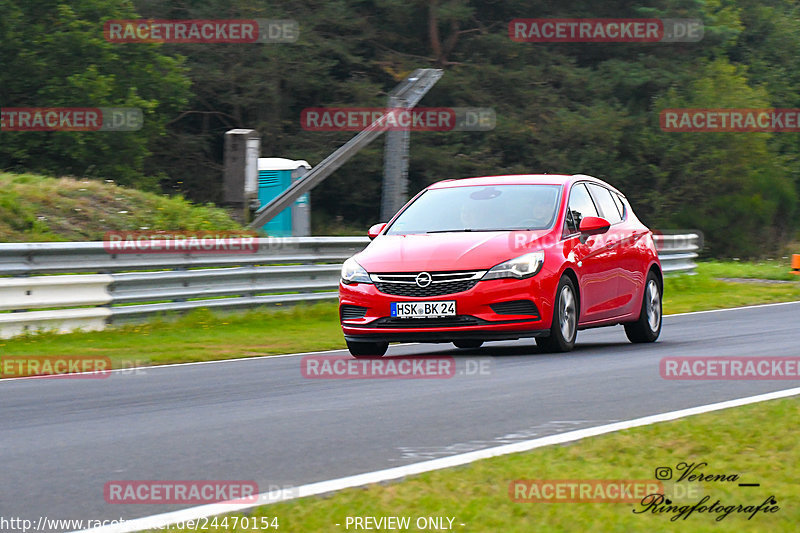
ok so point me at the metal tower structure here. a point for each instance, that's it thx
(406, 95)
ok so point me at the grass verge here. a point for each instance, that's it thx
(35, 208)
(770, 269)
(204, 335)
(477, 495)
(201, 335)
(705, 291)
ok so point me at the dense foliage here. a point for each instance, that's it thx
(564, 107)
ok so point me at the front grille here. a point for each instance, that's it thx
(431, 290)
(516, 307)
(352, 312)
(442, 283)
(443, 322)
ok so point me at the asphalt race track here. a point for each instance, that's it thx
(261, 420)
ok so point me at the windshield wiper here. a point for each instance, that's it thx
(461, 230)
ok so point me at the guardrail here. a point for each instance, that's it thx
(677, 251)
(119, 287)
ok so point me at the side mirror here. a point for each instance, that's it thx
(375, 230)
(594, 226)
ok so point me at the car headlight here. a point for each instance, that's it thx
(521, 267)
(352, 272)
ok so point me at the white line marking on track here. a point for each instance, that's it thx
(238, 359)
(732, 309)
(234, 360)
(322, 487)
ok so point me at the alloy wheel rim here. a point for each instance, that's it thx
(567, 312)
(653, 305)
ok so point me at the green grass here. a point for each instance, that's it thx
(204, 335)
(36, 208)
(704, 291)
(477, 494)
(770, 269)
(201, 335)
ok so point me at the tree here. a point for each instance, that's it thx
(730, 185)
(54, 55)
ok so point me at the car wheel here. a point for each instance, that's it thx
(468, 344)
(648, 327)
(564, 329)
(367, 349)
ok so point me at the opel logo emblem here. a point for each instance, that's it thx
(423, 279)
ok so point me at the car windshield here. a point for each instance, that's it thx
(479, 208)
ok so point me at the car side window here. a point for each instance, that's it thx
(620, 205)
(606, 203)
(580, 205)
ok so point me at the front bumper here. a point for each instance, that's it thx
(476, 320)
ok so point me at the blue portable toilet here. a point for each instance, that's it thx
(275, 175)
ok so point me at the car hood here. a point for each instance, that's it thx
(446, 251)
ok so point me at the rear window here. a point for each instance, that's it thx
(620, 204)
(607, 205)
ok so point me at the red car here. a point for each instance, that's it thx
(503, 257)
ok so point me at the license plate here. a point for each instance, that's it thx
(423, 309)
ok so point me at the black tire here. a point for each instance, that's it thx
(564, 328)
(648, 327)
(367, 350)
(468, 344)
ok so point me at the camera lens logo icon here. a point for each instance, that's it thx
(663, 473)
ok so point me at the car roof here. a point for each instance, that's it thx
(520, 179)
